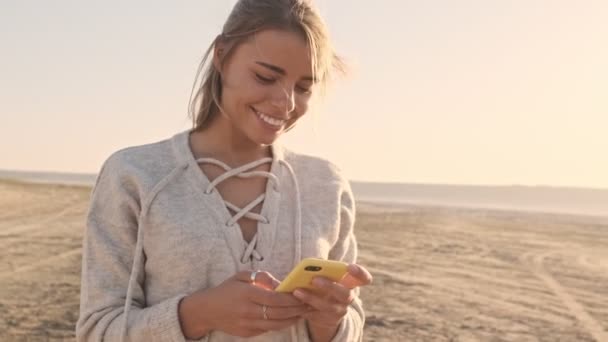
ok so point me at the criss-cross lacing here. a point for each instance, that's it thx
(242, 172)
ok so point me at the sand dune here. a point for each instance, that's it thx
(440, 274)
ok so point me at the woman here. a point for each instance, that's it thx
(177, 229)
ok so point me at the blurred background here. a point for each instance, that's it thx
(468, 92)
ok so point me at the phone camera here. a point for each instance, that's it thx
(312, 268)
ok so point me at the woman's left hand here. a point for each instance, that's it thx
(331, 302)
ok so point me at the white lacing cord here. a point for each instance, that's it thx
(242, 172)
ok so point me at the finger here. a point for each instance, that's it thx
(357, 276)
(318, 302)
(281, 313)
(272, 298)
(336, 290)
(244, 276)
(249, 332)
(266, 280)
(256, 311)
(261, 279)
(272, 324)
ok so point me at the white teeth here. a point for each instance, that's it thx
(272, 121)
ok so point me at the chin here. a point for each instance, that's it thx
(266, 138)
(261, 140)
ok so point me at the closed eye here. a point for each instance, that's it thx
(264, 80)
(304, 90)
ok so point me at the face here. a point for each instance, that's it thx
(266, 84)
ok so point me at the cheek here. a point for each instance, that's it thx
(302, 105)
(242, 95)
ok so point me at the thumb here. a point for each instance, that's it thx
(350, 281)
(265, 280)
(357, 276)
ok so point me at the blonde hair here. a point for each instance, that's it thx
(247, 18)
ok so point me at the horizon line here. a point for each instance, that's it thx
(364, 181)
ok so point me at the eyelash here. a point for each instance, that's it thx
(267, 81)
(264, 80)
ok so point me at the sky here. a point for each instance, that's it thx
(450, 92)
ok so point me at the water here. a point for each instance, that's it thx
(581, 201)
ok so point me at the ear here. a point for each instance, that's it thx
(219, 53)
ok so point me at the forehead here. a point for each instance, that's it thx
(284, 49)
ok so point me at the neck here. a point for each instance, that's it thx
(220, 140)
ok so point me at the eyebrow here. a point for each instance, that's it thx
(280, 70)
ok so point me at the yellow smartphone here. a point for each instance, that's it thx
(301, 276)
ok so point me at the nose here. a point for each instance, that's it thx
(285, 99)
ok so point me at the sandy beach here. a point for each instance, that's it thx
(441, 274)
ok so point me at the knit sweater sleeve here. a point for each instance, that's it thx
(108, 253)
(351, 327)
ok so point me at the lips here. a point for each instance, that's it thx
(270, 120)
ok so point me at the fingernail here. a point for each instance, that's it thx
(352, 269)
(298, 293)
(320, 282)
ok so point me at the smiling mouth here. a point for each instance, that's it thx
(269, 119)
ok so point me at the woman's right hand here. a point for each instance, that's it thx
(236, 307)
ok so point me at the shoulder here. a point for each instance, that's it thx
(139, 166)
(319, 175)
(315, 167)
